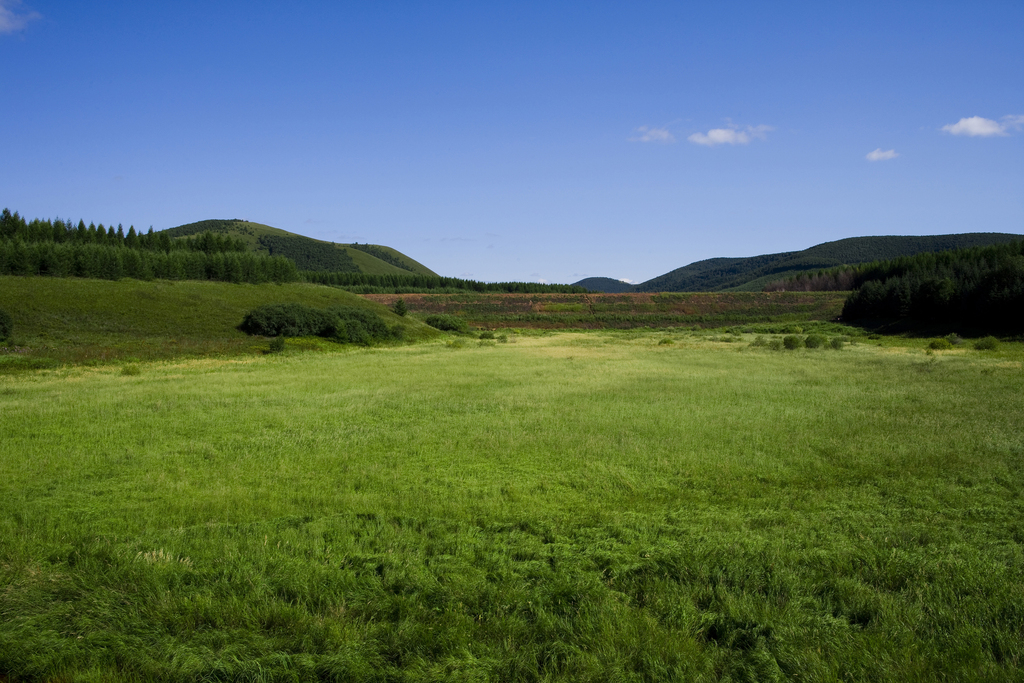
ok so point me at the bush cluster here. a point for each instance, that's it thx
(792, 341)
(446, 322)
(811, 341)
(985, 344)
(815, 341)
(344, 324)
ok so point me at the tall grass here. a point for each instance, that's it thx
(593, 506)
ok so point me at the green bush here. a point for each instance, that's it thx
(131, 370)
(665, 341)
(987, 344)
(6, 325)
(287, 320)
(759, 341)
(359, 326)
(503, 339)
(399, 307)
(791, 342)
(776, 344)
(446, 322)
(836, 343)
(344, 324)
(940, 344)
(276, 345)
(954, 339)
(815, 341)
(486, 334)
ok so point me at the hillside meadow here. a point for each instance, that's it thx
(579, 506)
(76, 320)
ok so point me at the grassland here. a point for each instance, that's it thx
(570, 506)
(626, 310)
(71, 320)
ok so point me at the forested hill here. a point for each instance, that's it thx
(309, 254)
(754, 272)
(605, 285)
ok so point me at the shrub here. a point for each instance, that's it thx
(276, 345)
(954, 339)
(987, 344)
(503, 339)
(836, 343)
(344, 324)
(6, 325)
(793, 329)
(775, 344)
(940, 344)
(791, 342)
(288, 320)
(358, 326)
(131, 370)
(399, 307)
(486, 335)
(759, 340)
(446, 322)
(665, 341)
(815, 341)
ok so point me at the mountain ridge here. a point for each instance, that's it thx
(752, 273)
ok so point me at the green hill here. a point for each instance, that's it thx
(60, 320)
(605, 285)
(752, 273)
(309, 253)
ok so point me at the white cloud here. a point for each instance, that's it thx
(881, 154)
(648, 134)
(627, 280)
(10, 20)
(1015, 122)
(977, 126)
(734, 135)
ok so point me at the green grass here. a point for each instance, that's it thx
(570, 506)
(72, 320)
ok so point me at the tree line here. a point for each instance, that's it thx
(981, 287)
(14, 227)
(60, 248)
(395, 283)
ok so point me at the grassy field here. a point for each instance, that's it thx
(593, 506)
(73, 320)
(628, 310)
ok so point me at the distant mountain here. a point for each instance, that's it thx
(309, 253)
(751, 274)
(604, 284)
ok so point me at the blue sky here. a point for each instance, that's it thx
(521, 141)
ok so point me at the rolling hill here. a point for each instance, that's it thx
(309, 253)
(752, 273)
